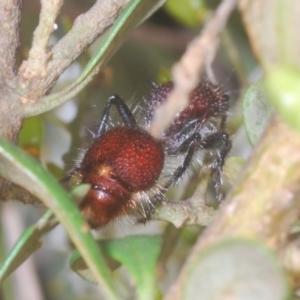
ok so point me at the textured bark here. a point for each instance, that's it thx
(265, 203)
(86, 28)
(10, 14)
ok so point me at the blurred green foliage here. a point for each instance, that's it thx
(190, 13)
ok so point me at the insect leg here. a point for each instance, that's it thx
(221, 143)
(188, 147)
(123, 110)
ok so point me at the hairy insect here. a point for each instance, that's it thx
(200, 126)
(120, 163)
(124, 163)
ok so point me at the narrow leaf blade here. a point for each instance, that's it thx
(21, 169)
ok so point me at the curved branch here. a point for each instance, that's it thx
(192, 211)
(38, 57)
(131, 16)
(87, 27)
(182, 213)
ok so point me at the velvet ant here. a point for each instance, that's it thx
(124, 163)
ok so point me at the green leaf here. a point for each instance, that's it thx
(31, 132)
(190, 13)
(21, 169)
(236, 269)
(138, 254)
(283, 86)
(256, 112)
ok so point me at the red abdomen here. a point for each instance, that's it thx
(119, 163)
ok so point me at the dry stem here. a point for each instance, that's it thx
(187, 72)
(87, 27)
(36, 65)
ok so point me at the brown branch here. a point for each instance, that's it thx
(182, 213)
(187, 72)
(266, 201)
(36, 65)
(192, 211)
(10, 15)
(87, 27)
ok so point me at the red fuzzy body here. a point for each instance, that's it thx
(205, 101)
(121, 162)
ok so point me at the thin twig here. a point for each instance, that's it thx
(183, 213)
(36, 65)
(187, 72)
(87, 27)
(134, 13)
(191, 211)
